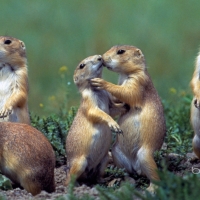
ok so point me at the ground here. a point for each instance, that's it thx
(60, 175)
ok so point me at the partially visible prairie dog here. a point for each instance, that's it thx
(26, 157)
(89, 137)
(13, 81)
(195, 107)
(143, 125)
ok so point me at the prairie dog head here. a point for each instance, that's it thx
(12, 51)
(124, 59)
(87, 69)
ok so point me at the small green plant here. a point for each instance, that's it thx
(179, 133)
(173, 187)
(5, 183)
(115, 172)
(55, 129)
(170, 187)
(2, 197)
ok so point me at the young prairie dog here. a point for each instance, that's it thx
(13, 81)
(143, 125)
(26, 157)
(195, 107)
(89, 138)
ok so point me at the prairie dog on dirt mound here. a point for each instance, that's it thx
(26, 157)
(195, 107)
(89, 137)
(13, 81)
(143, 125)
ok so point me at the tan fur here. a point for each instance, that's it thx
(13, 81)
(143, 124)
(195, 107)
(26, 157)
(89, 137)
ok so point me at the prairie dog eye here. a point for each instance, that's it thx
(82, 66)
(7, 42)
(121, 51)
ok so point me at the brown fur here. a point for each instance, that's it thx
(89, 137)
(26, 157)
(143, 124)
(13, 81)
(195, 107)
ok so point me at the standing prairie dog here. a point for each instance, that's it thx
(26, 157)
(13, 81)
(143, 125)
(89, 137)
(195, 107)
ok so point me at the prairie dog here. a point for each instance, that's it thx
(26, 157)
(13, 81)
(89, 137)
(143, 125)
(195, 107)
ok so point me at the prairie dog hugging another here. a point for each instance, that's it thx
(143, 125)
(26, 157)
(195, 107)
(13, 81)
(89, 138)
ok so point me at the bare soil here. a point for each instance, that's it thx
(61, 190)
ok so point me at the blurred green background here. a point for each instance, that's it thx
(59, 34)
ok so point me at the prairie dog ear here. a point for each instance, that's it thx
(23, 45)
(138, 53)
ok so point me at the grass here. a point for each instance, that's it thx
(178, 140)
(176, 181)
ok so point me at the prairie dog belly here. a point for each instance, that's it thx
(90, 141)
(100, 134)
(5, 91)
(7, 85)
(99, 146)
(195, 116)
(130, 124)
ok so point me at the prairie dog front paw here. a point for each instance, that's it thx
(115, 127)
(5, 111)
(97, 83)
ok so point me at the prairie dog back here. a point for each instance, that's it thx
(26, 157)
(89, 137)
(13, 81)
